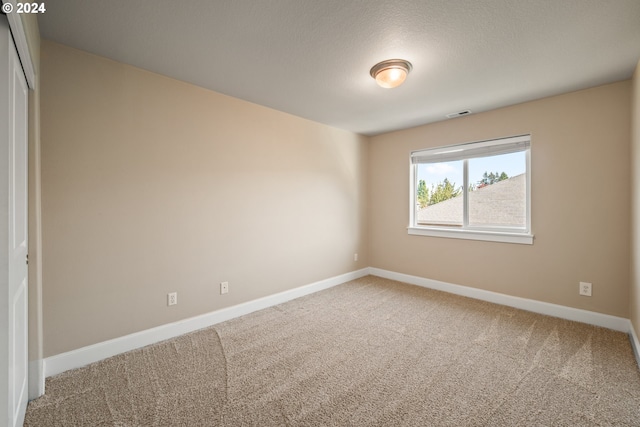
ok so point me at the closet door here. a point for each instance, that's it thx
(13, 233)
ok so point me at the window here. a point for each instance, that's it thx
(478, 191)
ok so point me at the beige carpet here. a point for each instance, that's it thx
(371, 352)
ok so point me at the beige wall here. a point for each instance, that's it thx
(151, 185)
(634, 306)
(580, 203)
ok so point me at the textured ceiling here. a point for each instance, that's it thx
(311, 58)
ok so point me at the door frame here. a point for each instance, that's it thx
(19, 33)
(18, 29)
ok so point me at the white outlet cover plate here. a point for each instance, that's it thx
(585, 289)
(172, 298)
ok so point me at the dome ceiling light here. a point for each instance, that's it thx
(391, 73)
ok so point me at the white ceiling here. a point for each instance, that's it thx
(311, 58)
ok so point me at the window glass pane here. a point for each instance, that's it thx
(439, 194)
(498, 191)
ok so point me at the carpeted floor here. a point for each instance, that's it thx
(371, 352)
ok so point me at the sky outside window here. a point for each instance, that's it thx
(433, 173)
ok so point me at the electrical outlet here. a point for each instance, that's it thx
(355, 257)
(172, 298)
(224, 288)
(585, 289)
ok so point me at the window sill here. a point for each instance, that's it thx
(489, 236)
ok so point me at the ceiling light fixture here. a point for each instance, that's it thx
(391, 73)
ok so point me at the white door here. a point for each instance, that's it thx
(13, 234)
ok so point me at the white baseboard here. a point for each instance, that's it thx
(590, 317)
(634, 343)
(36, 378)
(83, 356)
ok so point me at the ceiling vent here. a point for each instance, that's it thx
(458, 114)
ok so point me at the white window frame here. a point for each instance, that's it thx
(464, 152)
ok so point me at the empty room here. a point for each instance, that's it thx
(320, 213)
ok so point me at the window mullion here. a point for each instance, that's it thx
(413, 185)
(465, 193)
(528, 191)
